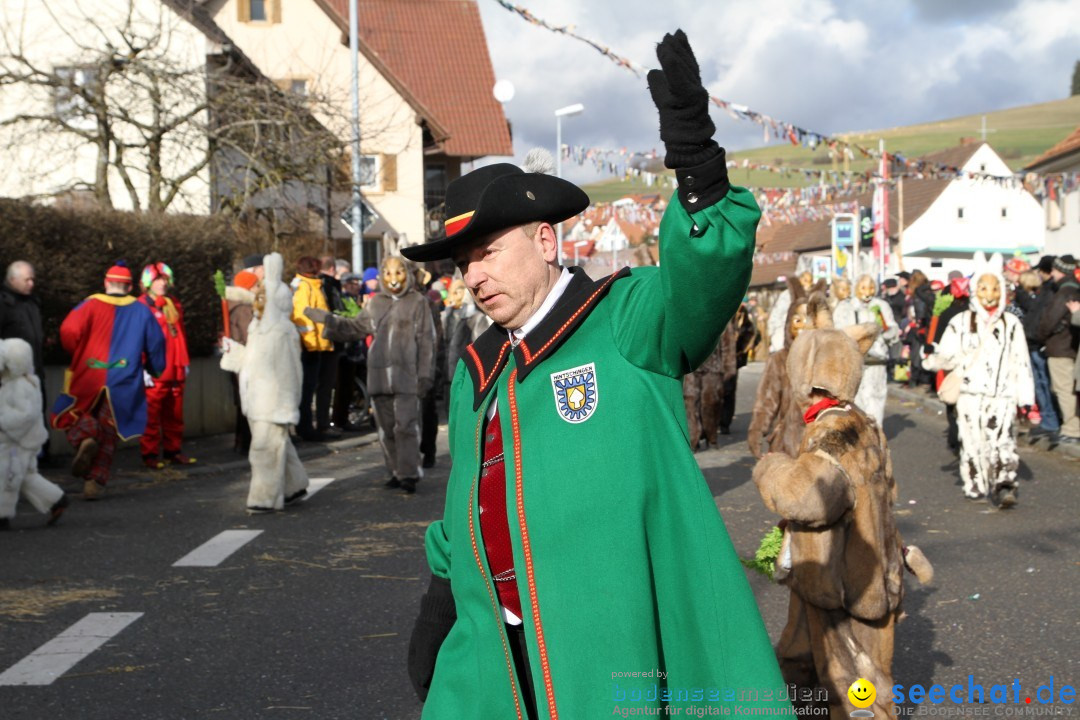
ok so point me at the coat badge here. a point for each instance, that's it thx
(576, 394)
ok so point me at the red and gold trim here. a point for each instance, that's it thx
(526, 546)
(529, 356)
(485, 380)
(487, 585)
(455, 224)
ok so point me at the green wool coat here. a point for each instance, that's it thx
(622, 561)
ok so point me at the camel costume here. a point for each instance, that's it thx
(776, 417)
(842, 556)
(270, 376)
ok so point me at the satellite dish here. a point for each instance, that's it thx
(503, 91)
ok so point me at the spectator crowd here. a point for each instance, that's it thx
(130, 364)
(999, 347)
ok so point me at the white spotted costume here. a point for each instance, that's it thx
(22, 432)
(269, 378)
(991, 353)
(874, 386)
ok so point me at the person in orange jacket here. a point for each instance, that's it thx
(165, 394)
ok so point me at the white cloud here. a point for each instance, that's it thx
(827, 65)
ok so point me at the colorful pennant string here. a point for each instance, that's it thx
(782, 130)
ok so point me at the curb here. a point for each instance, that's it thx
(938, 407)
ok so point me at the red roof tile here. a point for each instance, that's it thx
(437, 49)
(1069, 145)
(956, 156)
(582, 252)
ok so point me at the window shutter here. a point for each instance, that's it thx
(389, 173)
(243, 10)
(275, 11)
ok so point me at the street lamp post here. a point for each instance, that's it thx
(575, 109)
(357, 213)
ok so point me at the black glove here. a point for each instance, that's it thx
(685, 125)
(437, 615)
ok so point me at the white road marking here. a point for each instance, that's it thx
(56, 657)
(317, 484)
(214, 551)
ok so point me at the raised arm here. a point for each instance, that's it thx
(670, 319)
(342, 329)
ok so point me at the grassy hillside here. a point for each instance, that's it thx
(1018, 134)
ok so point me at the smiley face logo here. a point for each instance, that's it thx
(862, 693)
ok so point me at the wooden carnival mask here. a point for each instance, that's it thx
(988, 291)
(865, 289)
(395, 277)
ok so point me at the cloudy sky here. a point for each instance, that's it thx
(826, 65)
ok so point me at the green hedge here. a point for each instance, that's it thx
(71, 250)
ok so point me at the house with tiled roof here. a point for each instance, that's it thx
(939, 225)
(1060, 194)
(425, 83)
(52, 144)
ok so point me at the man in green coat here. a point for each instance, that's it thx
(581, 568)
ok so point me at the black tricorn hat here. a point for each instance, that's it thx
(497, 197)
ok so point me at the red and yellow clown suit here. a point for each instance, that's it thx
(112, 339)
(165, 394)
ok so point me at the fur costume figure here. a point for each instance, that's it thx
(842, 556)
(779, 314)
(470, 324)
(270, 375)
(986, 345)
(839, 291)
(22, 433)
(776, 418)
(241, 305)
(703, 391)
(400, 366)
(863, 307)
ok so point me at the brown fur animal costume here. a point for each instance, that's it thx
(703, 390)
(842, 555)
(776, 418)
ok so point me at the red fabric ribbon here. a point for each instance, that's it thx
(811, 415)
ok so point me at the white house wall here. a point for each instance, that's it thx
(49, 33)
(982, 225)
(307, 45)
(1066, 237)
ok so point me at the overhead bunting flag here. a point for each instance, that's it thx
(782, 130)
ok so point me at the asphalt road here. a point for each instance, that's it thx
(310, 618)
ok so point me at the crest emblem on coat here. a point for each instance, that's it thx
(576, 394)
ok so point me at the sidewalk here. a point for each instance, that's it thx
(214, 454)
(929, 402)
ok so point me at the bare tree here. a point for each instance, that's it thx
(175, 126)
